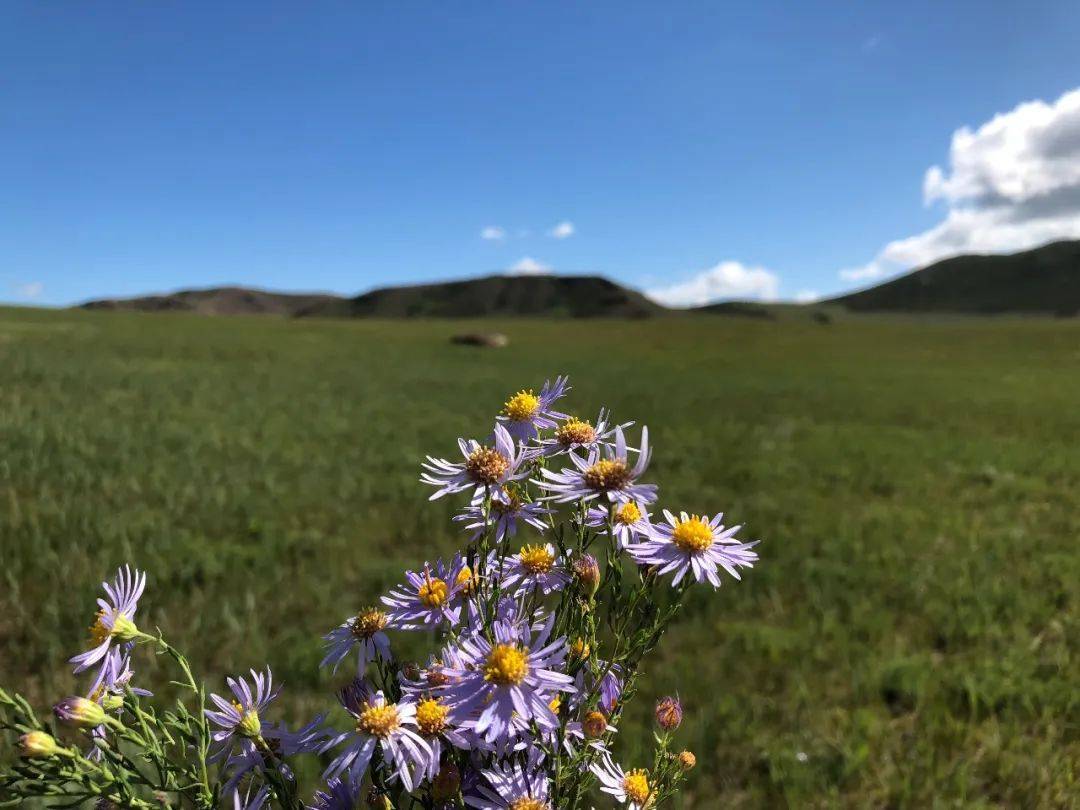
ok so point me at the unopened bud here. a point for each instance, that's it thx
(447, 783)
(111, 702)
(594, 725)
(79, 711)
(587, 572)
(37, 744)
(124, 628)
(669, 713)
(687, 760)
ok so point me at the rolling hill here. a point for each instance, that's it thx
(219, 301)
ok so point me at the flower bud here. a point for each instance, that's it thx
(687, 760)
(124, 628)
(79, 711)
(587, 572)
(669, 713)
(594, 725)
(111, 702)
(38, 744)
(447, 783)
(249, 726)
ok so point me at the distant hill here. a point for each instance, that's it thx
(504, 296)
(1044, 281)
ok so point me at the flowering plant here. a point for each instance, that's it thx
(537, 651)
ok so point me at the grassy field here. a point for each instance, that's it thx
(911, 637)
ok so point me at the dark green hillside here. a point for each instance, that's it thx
(1043, 281)
(218, 301)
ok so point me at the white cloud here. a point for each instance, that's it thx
(1011, 184)
(493, 233)
(563, 230)
(729, 279)
(528, 266)
(30, 289)
(807, 296)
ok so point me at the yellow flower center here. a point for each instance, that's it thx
(378, 721)
(465, 580)
(486, 465)
(506, 665)
(368, 622)
(594, 725)
(433, 592)
(431, 716)
(636, 785)
(98, 631)
(555, 704)
(580, 648)
(526, 803)
(607, 474)
(692, 536)
(249, 725)
(627, 513)
(575, 431)
(522, 406)
(536, 559)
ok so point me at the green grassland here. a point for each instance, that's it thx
(911, 637)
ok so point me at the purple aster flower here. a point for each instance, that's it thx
(340, 794)
(506, 509)
(628, 787)
(611, 685)
(239, 719)
(606, 473)
(630, 521)
(512, 677)
(113, 626)
(250, 801)
(391, 727)
(108, 691)
(364, 631)
(525, 414)
(693, 544)
(433, 725)
(429, 598)
(535, 568)
(512, 786)
(482, 469)
(278, 744)
(578, 434)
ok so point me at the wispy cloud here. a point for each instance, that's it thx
(492, 233)
(871, 43)
(807, 296)
(563, 230)
(528, 266)
(728, 279)
(29, 290)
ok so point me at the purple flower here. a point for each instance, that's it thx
(430, 598)
(534, 568)
(113, 626)
(696, 545)
(513, 677)
(250, 801)
(506, 509)
(606, 473)
(340, 794)
(578, 434)
(668, 713)
(628, 787)
(510, 786)
(611, 685)
(278, 744)
(239, 718)
(364, 631)
(525, 414)
(630, 520)
(482, 469)
(391, 727)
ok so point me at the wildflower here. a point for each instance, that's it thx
(340, 794)
(505, 510)
(512, 786)
(534, 568)
(427, 599)
(510, 678)
(695, 545)
(687, 760)
(611, 685)
(628, 521)
(587, 573)
(250, 801)
(594, 725)
(363, 631)
(580, 649)
(239, 718)
(433, 724)
(80, 712)
(578, 434)
(38, 745)
(525, 414)
(482, 469)
(628, 787)
(606, 473)
(278, 743)
(391, 727)
(668, 713)
(113, 625)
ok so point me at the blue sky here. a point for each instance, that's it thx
(698, 150)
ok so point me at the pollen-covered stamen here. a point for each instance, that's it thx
(506, 665)
(368, 622)
(536, 559)
(529, 803)
(98, 630)
(431, 716)
(508, 507)
(522, 406)
(627, 514)
(575, 431)
(636, 785)
(555, 704)
(607, 475)
(249, 724)
(693, 535)
(433, 592)
(487, 465)
(465, 580)
(378, 721)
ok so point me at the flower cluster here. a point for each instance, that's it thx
(562, 586)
